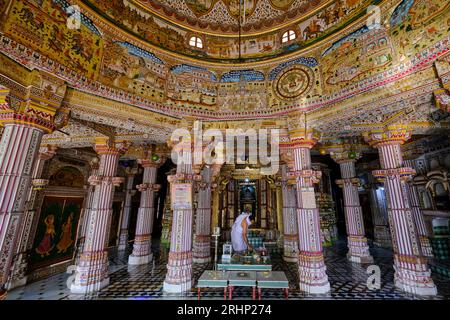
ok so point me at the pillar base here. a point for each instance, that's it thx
(359, 259)
(290, 258)
(123, 241)
(315, 289)
(417, 290)
(202, 249)
(121, 247)
(201, 260)
(91, 273)
(16, 283)
(179, 272)
(177, 288)
(312, 273)
(139, 260)
(290, 254)
(93, 287)
(427, 250)
(412, 275)
(382, 237)
(358, 250)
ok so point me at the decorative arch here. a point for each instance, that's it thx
(67, 176)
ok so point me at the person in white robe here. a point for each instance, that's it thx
(239, 232)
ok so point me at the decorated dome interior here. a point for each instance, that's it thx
(255, 27)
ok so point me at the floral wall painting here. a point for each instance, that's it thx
(56, 232)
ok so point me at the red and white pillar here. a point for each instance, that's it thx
(94, 163)
(19, 147)
(179, 267)
(411, 270)
(202, 240)
(358, 249)
(142, 252)
(19, 268)
(417, 214)
(378, 207)
(129, 193)
(290, 234)
(311, 265)
(92, 268)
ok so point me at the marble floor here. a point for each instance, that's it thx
(348, 281)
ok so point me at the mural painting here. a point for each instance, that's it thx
(192, 84)
(56, 231)
(42, 26)
(172, 36)
(417, 24)
(134, 70)
(356, 56)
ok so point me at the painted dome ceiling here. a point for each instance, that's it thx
(222, 16)
(169, 24)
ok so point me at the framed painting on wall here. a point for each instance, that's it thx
(56, 232)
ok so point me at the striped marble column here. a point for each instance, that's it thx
(87, 209)
(179, 267)
(202, 239)
(290, 234)
(92, 268)
(417, 214)
(19, 146)
(412, 273)
(129, 193)
(312, 270)
(19, 268)
(358, 249)
(142, 251)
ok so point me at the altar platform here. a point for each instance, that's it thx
(245, 263)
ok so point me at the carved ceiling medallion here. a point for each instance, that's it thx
(294, 82)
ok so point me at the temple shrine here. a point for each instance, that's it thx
(134, 134)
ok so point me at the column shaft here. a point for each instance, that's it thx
(290, 234)
(19, 146)
(312, 270)
(418, 215)
(86, 212)
(382, 235)
(123, 237)
(179, 267)
(358, 249)
(92, 268)
(202, 240)
(142, 252)
(20, 262)
(411, 270)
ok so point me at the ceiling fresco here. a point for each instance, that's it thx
(107, 61)
(255, 15)
(315, 21)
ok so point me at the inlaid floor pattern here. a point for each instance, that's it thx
(348, 281)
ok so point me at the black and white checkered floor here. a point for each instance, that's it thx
(348, 281)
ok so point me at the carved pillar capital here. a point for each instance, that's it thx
(394, 134)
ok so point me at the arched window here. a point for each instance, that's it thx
(288, 36)
(196, 42)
